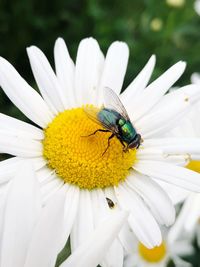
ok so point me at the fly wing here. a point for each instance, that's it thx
(112, 101)
(92, 113)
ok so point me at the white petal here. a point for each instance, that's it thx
(172, 174)
(20, 128)
(174, 145)
(22, 210)
(50, 188)
(115, 66)
(154, 196)
(46, 80)
(114, 256)
(176, 194)
(169, 115)
(141, 220)
(65, 72)
(183, 248)
(181, 263)
(3, 200)
(89, 65)
(139, 83)
(132, 260)
(45, 175)
(195, 78)
(37, 163)
(17, 146)
(99, 206)
(194, 213)
(91, 252)
(84, 225)
(70, 212)
(155, 91)
(23, 96)
(149, 152)
(44, 246)
(127, 238)
(187, 218)
(8, 169)
(185, 92)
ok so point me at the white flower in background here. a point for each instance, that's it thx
(92, 185)
(195, 78)
(173, 247)
(197, 6)
(27, 243)
(175, 3)
(156, 24)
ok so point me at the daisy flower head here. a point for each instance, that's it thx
(172, 249)
(98, 179)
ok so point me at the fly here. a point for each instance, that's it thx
(113, 118)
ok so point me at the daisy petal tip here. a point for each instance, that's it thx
(124, 46)
(119, 45)
(153, 59)
(182, 64)
(33, 51)
(59, 40)
(59, 43)
(88, 40)
(30, 50)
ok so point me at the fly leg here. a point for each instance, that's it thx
(109, 138)
(99, 130)
(125, 148)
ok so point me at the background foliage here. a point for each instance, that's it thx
(148, 26)
(26, 22)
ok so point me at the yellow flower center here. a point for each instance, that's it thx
(153, 255)
(78, 158)
(194, 165)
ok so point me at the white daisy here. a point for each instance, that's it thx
(172, 249)
(64, 161)
(175, 3)
(197, 6)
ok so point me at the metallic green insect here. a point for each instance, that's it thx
(114, 118)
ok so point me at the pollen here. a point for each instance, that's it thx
(153, 255)
(78, 158)
(194, 165)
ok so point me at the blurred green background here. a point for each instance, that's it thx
(151, 26)
(148, 26)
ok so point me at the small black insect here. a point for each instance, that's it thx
(110, 203)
